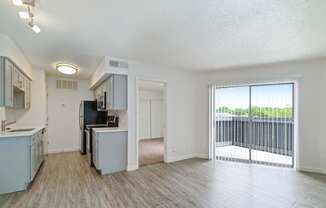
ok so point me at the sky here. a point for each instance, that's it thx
(262, 96)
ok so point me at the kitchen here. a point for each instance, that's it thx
(50, 129)
(116, 103)
(103, 126)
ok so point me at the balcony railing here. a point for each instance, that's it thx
(273, 135)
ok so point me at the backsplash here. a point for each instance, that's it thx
(123, 117)
(2, 113)
(10, 115)
(14, 116)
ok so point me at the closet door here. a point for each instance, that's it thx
(144, 119)
(156, 119)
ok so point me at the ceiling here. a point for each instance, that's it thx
(186, 34)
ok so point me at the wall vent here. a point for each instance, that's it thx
(118, 64)
(67, 84)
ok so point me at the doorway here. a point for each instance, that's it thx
(255, 123)
(151, 122)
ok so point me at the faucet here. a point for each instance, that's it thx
(3, 125)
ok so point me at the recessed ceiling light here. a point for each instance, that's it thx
(67, 69)
(24, 15)
(18, 2)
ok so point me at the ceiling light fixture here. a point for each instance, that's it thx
(28, 14)
(24, 15)
(34, 27)
(18, 2)
(24, 2)
(68, 69)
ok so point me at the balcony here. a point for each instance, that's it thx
(259, 140)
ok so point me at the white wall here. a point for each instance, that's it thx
(322, 145)
(180, 119)
(63, 112)
(311, 79)
(151, 114)
(36, 115)
(181, 103)
(9, 49)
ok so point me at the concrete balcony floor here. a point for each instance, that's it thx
(242, 153)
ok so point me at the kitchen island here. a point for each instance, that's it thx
(109, 149)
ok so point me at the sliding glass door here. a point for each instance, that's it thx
(232, 117)
(255, 123)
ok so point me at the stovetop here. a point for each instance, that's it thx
(96, 126)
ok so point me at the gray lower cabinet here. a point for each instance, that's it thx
(20, 159)
(110, 151)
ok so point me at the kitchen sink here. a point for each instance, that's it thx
(20, 130)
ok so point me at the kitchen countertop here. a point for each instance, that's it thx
(22, 133)
(109, 129)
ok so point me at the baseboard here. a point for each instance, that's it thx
(55, 151)
(201, 155)
(311, 170)
(179, 158)
(131, 167)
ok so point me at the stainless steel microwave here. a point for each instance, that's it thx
(101, 102)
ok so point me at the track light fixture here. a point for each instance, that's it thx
(24, 2)
(28, 15)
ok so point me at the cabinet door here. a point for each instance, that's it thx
(119, 92)
(16, 77)
(9, 90)
(109, 92)
(34, 158)
(21, 79)
(95, 152)
(42, 146)
(27, 93)
(39, 150)
(37, 154)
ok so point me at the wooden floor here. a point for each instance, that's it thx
(151, 151)
(65, 180)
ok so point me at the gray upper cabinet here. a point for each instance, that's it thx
(9, 91)
(16, 88)
(116, 88)
(6, 82)
(27, 94)
(19, 79)
(117, 92)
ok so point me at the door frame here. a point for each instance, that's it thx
(295, 97)
(165, 101)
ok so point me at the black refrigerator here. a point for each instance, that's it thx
(89, 115)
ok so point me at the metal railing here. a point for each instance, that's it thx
(273, 135)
